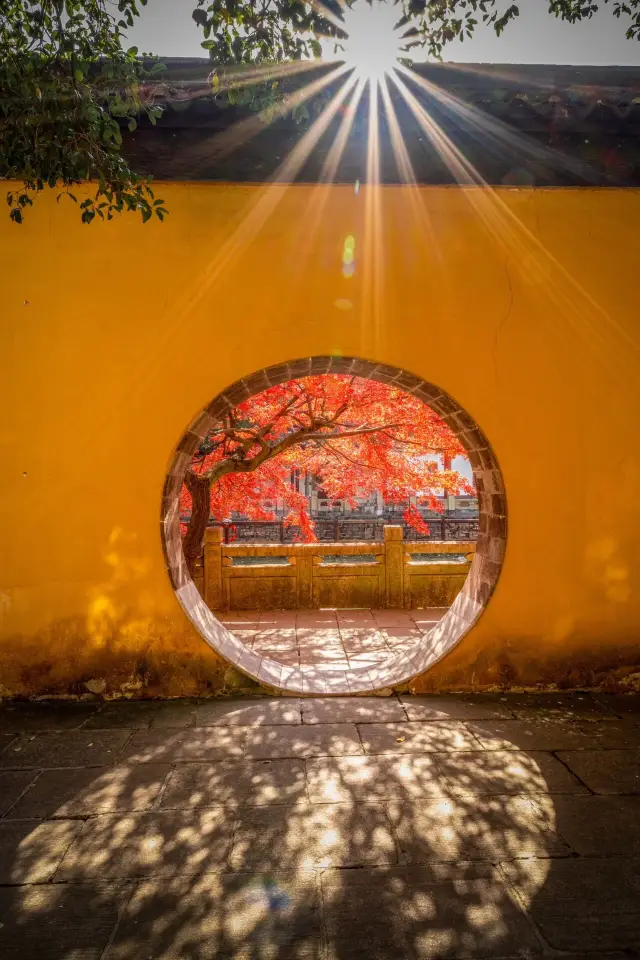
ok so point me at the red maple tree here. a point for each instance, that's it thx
(355, 436)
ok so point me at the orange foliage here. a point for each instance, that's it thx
(355, 436)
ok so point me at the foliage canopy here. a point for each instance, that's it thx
(69, 82)
(243, 31)
(354, 436)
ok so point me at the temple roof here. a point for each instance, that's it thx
(513, 124)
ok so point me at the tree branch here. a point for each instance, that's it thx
(351, 433)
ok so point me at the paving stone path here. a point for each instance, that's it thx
(341, 639)
(316, 829)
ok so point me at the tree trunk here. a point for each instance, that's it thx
(198, 487)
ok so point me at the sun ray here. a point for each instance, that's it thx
(520, 76)
(330, 166)
(236, 77)
(372, 323)
(490, 131)
(225, 143)
(312, 220)
(328, 14)
(322, 190)
(579, 309)
(419, 211)
(265, 203)
(261, 206)
(243, 75)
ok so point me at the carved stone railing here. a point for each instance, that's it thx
(386, 573)
(336, 530)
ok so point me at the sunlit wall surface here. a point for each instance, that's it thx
(519, 303)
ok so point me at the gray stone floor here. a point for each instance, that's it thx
(410, 827)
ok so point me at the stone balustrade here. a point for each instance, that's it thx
(392, 574)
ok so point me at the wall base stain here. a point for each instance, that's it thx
(63, 663)
(63, 660)
(610, 670)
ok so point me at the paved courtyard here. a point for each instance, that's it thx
(340, 829)
(338, 639)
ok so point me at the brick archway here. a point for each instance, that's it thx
(421, 654)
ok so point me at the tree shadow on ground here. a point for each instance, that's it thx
(230, 841)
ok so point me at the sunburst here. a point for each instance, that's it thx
(373, 45)
(373, 59)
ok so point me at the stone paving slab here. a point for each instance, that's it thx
(336, 779)
(236, 916)
(215, 825)
(621, 704)
(596, 879)
(195, 743)
(249, 713)
(304, 838)
(554, 734)
(590, 905)
(560, 706)
(506, 772)
(408, 912)
(414, 737)
(363, 636)
(84, 792)
(31, 853)
(410, 777)
(132, 715)
(13, 783)
(352, 710)
(287, 658)
(455, 708)
(375, 658)
(75, 749)
(606, 771)
(334, 640)
(475, 828)
(29, 716)
(174, 714)
(318, 740)
(59, 921)
(235, 783)
(599, 826)
(157, 844)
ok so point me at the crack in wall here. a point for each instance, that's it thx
(502, 323)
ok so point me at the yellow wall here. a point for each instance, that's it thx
(523, 306)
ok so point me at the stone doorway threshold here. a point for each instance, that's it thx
(341, 645)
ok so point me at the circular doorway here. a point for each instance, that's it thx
(421, 652)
